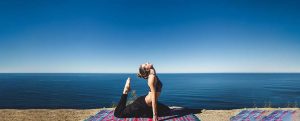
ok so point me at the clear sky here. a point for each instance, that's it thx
(175, 35)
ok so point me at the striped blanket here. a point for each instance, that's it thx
(108, 115)
(248, 115)
(280, 115)
(258, 115)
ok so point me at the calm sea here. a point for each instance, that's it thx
(209, 91)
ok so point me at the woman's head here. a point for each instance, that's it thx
(144, 70)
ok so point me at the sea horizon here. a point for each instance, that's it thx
(157, 73)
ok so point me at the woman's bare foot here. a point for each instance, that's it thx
(127, 86)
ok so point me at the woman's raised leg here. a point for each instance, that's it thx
(137, 109)
(122, 103)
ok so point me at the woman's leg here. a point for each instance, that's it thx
(137, 109)
(121, 106)
(162, 109)
(122, 103)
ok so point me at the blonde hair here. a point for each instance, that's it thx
(143, 73)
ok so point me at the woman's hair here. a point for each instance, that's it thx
(143, 73)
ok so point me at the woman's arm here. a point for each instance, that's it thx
(151, 83)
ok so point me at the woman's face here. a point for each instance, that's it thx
(147, 66)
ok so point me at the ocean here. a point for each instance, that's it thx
(191, 90)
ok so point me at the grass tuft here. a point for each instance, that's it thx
(132, 97)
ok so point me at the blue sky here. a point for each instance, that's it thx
(176, 35)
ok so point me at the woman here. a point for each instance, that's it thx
(147, 105)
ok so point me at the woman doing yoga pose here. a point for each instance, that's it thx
(147, 105)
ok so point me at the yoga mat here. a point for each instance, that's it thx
(280, 115)
(108, 115)
(248, 115)
(257, 115)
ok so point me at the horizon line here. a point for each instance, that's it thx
(136, 72)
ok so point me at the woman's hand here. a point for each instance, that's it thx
(155, 118)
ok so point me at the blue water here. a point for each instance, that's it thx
(209, 91)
